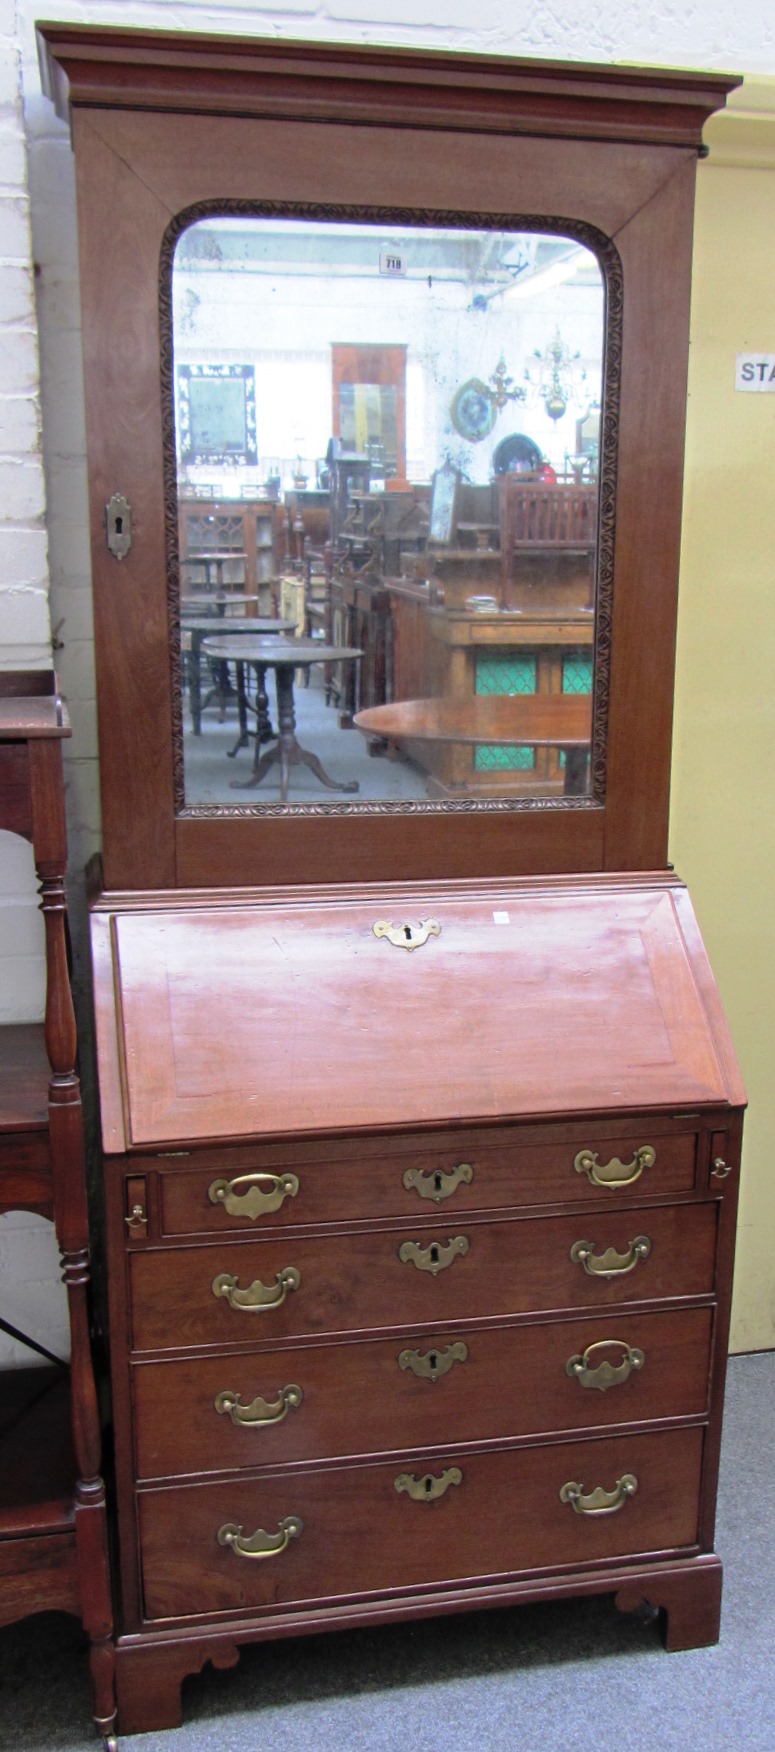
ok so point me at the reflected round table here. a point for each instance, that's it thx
(561, 721)
(197, 630)
(212, 562)
(284, 656)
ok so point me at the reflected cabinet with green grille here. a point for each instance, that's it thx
(518, 673)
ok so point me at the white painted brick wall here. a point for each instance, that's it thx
(716, 34)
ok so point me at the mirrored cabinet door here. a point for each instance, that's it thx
(387, 361)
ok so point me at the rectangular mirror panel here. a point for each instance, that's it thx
(387, 451)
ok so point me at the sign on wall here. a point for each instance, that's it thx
(755, 372)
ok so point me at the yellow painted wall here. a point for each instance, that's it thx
(722, 837)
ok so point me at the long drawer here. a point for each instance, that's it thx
(234, 1293)
(263, 1186)
(320, 1401)
(350, 1531)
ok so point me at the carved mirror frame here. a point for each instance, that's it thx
(168, 128)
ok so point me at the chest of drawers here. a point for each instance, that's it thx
(421, 1214)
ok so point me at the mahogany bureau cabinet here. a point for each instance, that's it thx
(420, 1121)
(396, 1330)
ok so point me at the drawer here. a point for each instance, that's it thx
(357, 1530)
(249, 1189)
(347, 1283)
(323, 1401)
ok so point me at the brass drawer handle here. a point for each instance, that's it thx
(614, 1173)
(257, 1296)
(434, 1363)
(407, 936)
(605, 1374)
(266, 1193)
(260, 1544)
(720, 1170)
(437, 1183)
(600, 1502)
(610, 1264)
(427, 1489)
(434, 1258)
(260, 1411)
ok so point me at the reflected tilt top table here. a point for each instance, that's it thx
(561, 721)
(284, 656)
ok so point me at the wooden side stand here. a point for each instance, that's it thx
(53, 1528)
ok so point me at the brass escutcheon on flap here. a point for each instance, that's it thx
(257, 1296)
(610, 1264)
(438, 1183)
(434, 1363)
(599, 1501)
(260, 1544)
(428, 1488)
(436, 1256)
(260, 1411)
(614, 1173)
(407, 936)
(604, 1374)
(265, 1193)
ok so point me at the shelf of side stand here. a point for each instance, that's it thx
(38, 1565)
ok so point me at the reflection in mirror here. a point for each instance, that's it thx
(387, 460)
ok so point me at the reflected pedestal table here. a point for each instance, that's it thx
(284, 656)
(561, 721)
(198, 630)
(212, 562)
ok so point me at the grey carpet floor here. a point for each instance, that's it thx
(570, 1676)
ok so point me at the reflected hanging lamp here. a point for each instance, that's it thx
(556, 379)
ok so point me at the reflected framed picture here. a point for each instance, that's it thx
(443, 511)
(217, 414)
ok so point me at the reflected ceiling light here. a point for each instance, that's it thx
(502, 388)
(556, 378)
(554, 275)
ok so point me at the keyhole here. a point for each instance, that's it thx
(437, 1181)
(428, 1484)
(408, 933)
(434, 1254)
(432, 1360)
(119, 526)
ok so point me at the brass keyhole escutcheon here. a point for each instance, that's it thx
(435, 1363)
(407, 936)
(118, 526)
(436, 1256)
(438, 1183)
(430, 1487)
